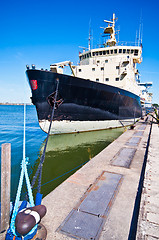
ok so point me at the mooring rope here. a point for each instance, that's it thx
(11, 233)
(39, 169)
(64, 174)
(24, 174)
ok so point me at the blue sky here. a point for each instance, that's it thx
(44, 32)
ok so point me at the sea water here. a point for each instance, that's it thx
(64, 155)
(11, 131)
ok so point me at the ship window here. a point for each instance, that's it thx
(106, 61)
(104, 52)
(132, 51)
(87, 55)
(102, 68)
(115, 51)
(97, 79)
(120, 50)
(98, 61)
(93, 53)
(111, 51)
(124, 50)
(136, 52)
(80, 70)
(80, 58)
(107, 51)
(93, 69)
(96, 53)
(117, 79)
(128, 51)
(122, 76)
(117, 67)
(106, 79)
(100, 53)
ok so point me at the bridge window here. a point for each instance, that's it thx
(93, 53)
(136, 52)
(100, 53)
(107, 51)
(124, 50)
(106, 79)
(120, 50)
(104, 52)
(111, 51)
(115, 51)
(132, 51)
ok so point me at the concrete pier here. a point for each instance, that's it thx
(148, 224)
(69, 212)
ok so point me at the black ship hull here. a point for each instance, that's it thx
(82, 105)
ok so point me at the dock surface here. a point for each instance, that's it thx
(148, 224)
(97, 202)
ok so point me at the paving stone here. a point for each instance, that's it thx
(134, 141)
(139, 133)
(153, 217)
(142, 127)
(87, 218)
(124, 157)
(150, 238)
(152, 230)
(152, 208)
(148, 224)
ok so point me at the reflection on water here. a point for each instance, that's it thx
(66, 153)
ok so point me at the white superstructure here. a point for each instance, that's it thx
(145, 96)
(113, 65)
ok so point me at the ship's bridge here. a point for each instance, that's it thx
(134, 51)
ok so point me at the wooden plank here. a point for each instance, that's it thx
(5, 185)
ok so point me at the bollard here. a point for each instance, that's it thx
(5, 185)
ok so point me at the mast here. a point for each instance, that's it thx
(89, 41)
(89, 38)
(111, 30)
